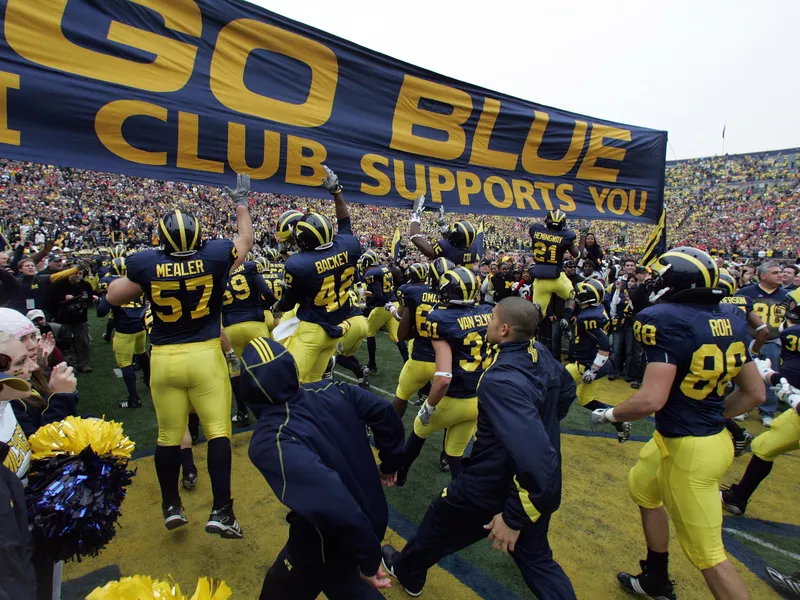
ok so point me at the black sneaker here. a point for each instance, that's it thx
(739, 446)
(130, 403)
(388, 553)
(786, 582)
(189, 480)
(223, 522)
(363, 381)
(106, 338)
(174, 517)
(613, 377)
(644, 585)
(328, 374)
(373, 368)
(731, 503)
(443, 464)
(421, 398)
(240, 420)
(402, 475)
(636, 385)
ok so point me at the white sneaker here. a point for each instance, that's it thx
(740, 417)
(766, 421)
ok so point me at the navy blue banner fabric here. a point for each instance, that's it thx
(195, 90)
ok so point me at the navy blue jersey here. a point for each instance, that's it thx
(708, 346)
(790, 355)
(320, 281)
(549, 247)
(766, 306)
(274, 281)
(185, 293)
(591, 334)
(380, 284)
(456, 255)
(128, 318)
(102, 285)
(246, 296)
(741, 303)
(420, 300)
(464, 328)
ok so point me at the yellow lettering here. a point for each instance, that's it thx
(296, 160)
(384, 184)
(588, 168)
(545, 189)
(34, 31)
(635, 210)
(536, 165)
(567, 203)
(400, 180)
(598, 200)
(408, 113)
(7, 81)
(623, 205)
(488, 190)
(161, 271)
(523, 192)
(481, 154)
(188, 142)
(442, 180)
(108, 127)
(468, 184)
(238, 39)
(237, 156)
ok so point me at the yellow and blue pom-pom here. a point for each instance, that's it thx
(76, 485)
(141, 587)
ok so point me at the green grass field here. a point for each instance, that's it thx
(595, 534)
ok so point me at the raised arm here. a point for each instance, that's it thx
(241, 195)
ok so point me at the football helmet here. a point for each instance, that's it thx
(418, 272)
(458, 286)
(555, 219)
(272, 254)
(437, 268)
(118, 267)
(727, 283)
(789, 310)
(312, 231)
(686, 274)
(366, 260)
(462, 234)
(179, 233)
(262, 265)
(286, 222)
(119, 251)
(589, 292)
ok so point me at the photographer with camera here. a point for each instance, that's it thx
(73, 296)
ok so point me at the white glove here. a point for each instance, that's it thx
(391, 308)
(331, 181)
(589, 375)
(764, 368)
(601, 416)
(425, 413)
(441, 221)
(419, 206)
(234, 366)
(241, 194)
(793, 400)
(783, 390)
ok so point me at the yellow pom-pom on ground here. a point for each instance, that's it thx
(74, 434)
(141, 587)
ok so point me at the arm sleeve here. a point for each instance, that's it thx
(268, 299)
(303, 483)
(659, 343)
(43, 252)
(603, 343)
(290, 295)
(103, 308)
(63, 274)
(344, 226)
(535, 462)
(375, 286)
(384, 422)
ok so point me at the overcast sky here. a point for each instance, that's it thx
(686, 66)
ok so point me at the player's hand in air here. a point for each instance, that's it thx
(331, 181)
(241, 194)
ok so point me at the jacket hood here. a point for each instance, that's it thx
(269, 374)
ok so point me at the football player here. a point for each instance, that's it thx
(381, 303)
(284, 232)
(457, 330)
(184, 281)
(350, 342)
(550, 242)
(419, 300)
(457, 244)
(130, 340)
(106, 277)
(693, 349)
(592, 349)
(767, 295)
(319, 279)
(784, 435)
(246, 300)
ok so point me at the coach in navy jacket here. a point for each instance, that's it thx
(311, 446)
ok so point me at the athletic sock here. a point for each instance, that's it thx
(129, 377)
(736, 431)
(757, 470)
(144, 363)
(426, 389)
(657, 565)
(350, 363)
(168, 468)
(187, 460)
(455, 465)
(109, 328)
(413, 447)
(241, 407)
(403, 348)
(371, 348)
(194, 425)
(219, 470)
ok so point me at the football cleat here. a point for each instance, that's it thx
(623, 431)
(174, 516)
(740, 417)
(644, 585)
(240, 420)
(421, 398)
(223, 522)
(130, 403)
(786, 582)
(328, 374)
(731, 503)
(739, 446)
(388, 554)
(189, 479)
(444, 465)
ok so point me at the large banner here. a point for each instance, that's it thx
(196, 90)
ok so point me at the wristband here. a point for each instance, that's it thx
(443, 374)
(416, 235)
(760, 327)
(599, 361)
(609, 415)
(414, 218)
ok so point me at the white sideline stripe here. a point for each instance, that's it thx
(761, 542)
(389, 395)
